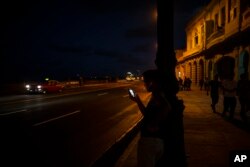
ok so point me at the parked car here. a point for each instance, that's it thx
(50, 86)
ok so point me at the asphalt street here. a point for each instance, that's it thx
(72, 128)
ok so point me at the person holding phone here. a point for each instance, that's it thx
(151, 143)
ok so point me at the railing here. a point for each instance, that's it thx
(216, 36)
(192, 51)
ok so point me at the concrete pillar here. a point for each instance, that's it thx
(166, 63)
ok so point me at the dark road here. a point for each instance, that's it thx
(72, 128)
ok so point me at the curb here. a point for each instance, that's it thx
(112, 154)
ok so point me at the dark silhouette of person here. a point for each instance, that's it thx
(151, 143)
(201, 83)
(214, 86)
(243, 88)
(206, 84)
(189, 83)
(180, 84)
(229, 87)
(185, 85)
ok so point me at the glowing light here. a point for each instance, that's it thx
(179, 74)
(155, 14)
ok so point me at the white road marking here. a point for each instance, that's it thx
(53, 119)
(9, 113)
(101, 94)
(67, 94)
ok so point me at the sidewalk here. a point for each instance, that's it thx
(209, 137)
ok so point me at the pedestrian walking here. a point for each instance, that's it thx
(151, 143)
(243, 87)
(189, 83)
(229, 87)
(206, 84)
(180, 81)
(201, 83)
(214, 86)
(185, 84)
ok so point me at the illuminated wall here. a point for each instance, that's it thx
(217, 38)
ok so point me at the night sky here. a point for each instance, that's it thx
(67, 38)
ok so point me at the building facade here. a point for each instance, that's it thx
(217, 42)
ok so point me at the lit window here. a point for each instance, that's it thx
(196, 38)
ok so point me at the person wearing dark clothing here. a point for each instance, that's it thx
(214, 86)
(189, 82)
(180, 84)
(243, 88)
(229, 87)
(201, 83)
(206, 84)
(151, 144)
(185, 84)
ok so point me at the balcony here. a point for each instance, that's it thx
(216, 37)
(193, 51)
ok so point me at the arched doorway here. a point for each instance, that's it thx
(225, 67)
(243, 63)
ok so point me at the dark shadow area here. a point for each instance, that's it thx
(110, 157)
(236, 122)
(17, 144)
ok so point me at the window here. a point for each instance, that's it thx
(223, 16)
(196, 38)
(235, 12)
(232, 9)
(216, 20)
(229, 10)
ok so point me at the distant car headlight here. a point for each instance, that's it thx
(27, 86)
(39, 86)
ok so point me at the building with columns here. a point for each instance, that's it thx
(217, 42)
